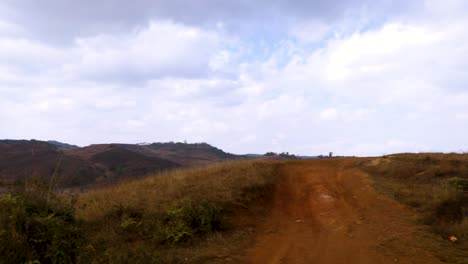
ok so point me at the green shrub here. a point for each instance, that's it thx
(33, 229)
(188, 220)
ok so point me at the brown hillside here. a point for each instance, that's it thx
(179, 153)
(119, 160)
(21, 160)
(189, 154)
(103, 163)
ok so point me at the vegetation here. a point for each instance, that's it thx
(34, 229)
(285, 155)
(178, 216)
(436, 186)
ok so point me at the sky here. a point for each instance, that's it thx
(248, 76)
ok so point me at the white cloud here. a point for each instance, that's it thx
(310, 32)
(373, 53)
(329, 114)
(282, 105)
(220, 60)
(10, 29)
(446, 9)
(396, 86)
(162, 48)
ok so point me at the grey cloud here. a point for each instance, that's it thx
(61, 20)
(161, 49)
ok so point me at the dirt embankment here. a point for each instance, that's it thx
(326, 211)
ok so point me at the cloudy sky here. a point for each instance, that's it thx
(249, 76)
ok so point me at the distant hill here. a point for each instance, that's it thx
(182, 154)
(21, 160)
(121, 160)
(190, 154)
(61, 145)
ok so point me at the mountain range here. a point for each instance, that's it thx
(25, 160)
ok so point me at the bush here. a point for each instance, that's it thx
(34, 230)
(190, 219)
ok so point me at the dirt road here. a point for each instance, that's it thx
(326, 211)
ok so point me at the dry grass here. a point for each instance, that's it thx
(130, 222)
(425, 182)
(228, 182)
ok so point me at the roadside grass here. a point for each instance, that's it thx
(436, 186)
(230, 182)
(178, 216)
(199, 215)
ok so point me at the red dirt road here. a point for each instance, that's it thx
(326, 211)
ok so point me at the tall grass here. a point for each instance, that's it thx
(435, 185)
(147, 219)
(181, 216)
(230, 182)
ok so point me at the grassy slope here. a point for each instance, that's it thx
(131, 222)
(430, 183)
